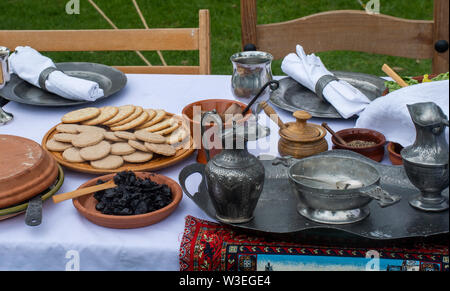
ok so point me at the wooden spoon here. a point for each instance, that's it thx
(391, 73)
(337, 136)
(83, 191)
(272, 114)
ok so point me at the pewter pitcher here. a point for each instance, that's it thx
(426, 162)
(234, 178)
(251, 70)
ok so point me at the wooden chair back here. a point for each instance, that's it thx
(353, 30)
(123, 40)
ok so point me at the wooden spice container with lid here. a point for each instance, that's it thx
(298, 139)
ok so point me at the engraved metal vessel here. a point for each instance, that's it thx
(426, 162)
(234, 177)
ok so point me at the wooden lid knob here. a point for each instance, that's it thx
(301, 130)
(301, 115)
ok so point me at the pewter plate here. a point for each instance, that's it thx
(292, 96)
(109, 79)
(276, 212)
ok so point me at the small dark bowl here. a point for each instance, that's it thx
(375, 152)
(394, 150)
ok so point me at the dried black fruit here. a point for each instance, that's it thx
(132, 195)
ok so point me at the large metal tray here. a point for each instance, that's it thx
(293, 96)
(109, 79)
(276, 211)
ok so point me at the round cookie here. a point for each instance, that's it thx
(124, 112)
(162, 149)
(178, 135)
(137, 111)
(160, 114)
(96, 152)
(121, 149)
(64, 137)
(72, 155)
(161, 125)
(80, 115)
(138, 157)
(151, 114)
(132, 124)
(109, 135)
(84, 128)
(139, 145)
(87, 138)
(57, 146)
(106, 113)
(68, 128)
(170, 129)
(125, 135)
(149, 137)
(110, 162)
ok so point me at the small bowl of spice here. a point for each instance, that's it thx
(367, 142)
(139, 199)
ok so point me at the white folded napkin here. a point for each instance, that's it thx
(28, 64)
(390, 116)
(308, 69)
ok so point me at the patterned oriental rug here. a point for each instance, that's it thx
(208, 246)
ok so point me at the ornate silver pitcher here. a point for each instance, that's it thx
(426, 162)
(234, 178)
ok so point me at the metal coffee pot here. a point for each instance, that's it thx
(426, 162)
(234, 178)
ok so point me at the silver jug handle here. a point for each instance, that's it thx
(383, 197)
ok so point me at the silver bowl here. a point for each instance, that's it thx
(323, 203)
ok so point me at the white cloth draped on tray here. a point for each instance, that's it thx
(28, 64)
(389, 114)
(309, 69)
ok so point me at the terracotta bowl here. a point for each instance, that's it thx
(208, 105)
(375, 152)
(394, 150)
(26, 169)
(86, 205)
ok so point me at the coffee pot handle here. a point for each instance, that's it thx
(186, 172)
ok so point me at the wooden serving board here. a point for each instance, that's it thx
(158, 162)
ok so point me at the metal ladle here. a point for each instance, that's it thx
(340, 185)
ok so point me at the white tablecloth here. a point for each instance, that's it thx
(65, 238)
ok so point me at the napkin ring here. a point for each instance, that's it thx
(322, 83)
(44, 76)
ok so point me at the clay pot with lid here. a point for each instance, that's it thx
(298, 139)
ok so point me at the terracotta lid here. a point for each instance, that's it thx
(26, 169)
(301, 130)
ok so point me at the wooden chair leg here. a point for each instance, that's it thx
(440, 36)
(248, 22)
(204, 42)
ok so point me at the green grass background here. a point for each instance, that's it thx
(225, 28)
